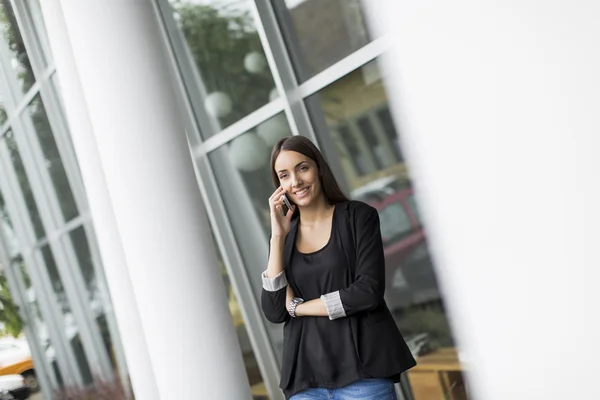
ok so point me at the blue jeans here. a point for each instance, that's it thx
(371, 389)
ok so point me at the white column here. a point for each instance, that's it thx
(154, 237)
(498, 106)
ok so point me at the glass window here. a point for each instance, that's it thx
(41, 35)
(248, 157)
(412, 203)
(395, 223)
(254, 376)
(55, 280)
(86, 265)
(243, 174)
(53, 160)
(8, 231)
(87, 268)
(229, 57)
(36, 320)
(355, 111)
(17, 163)
(19, 58)
(320, 33)
(3, 115)
(71, 329)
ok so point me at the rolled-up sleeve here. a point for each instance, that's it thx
(274, 284)
(333, 304)
(273, 298)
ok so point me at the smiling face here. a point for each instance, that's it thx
(299, 176)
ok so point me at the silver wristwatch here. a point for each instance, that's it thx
(293, 304)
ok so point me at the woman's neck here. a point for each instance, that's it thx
(315, 212)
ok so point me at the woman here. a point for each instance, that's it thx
(325, 280)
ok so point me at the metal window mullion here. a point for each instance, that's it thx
(280, 61)
(42, 86)
(51, 215)
(44, 372)
(69, 226)
(61, 133)
(345, 66)
(193, 91)
(26, 98)
(365, 147)
(50, 307)
(32, 16)
(53, 318)
(383, 139)
(189, 78)
(76, 290)
(234, 263)
(29, 36)
(17, 208)
(10, 78)
(240, 127)
(107, 302)
(39, 177)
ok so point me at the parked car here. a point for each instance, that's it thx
(15, 359)
(13, 387)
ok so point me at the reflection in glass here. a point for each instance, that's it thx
(19, 58)
(36, 320)
(226, 48)
(87, 268)
(41, 35)
(321, 33)
(82, 362)
(3, 115)
(71, 329)
(254, 375)
(53, 160)
(243, 174)
(249, 154)
(88, 271)
(17, 163)
(55, 280)
(355, 111)
(8, 231)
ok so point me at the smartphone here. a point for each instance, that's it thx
(287, 204)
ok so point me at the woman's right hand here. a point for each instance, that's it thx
(280, 224)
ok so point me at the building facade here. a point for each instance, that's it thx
(245, 73)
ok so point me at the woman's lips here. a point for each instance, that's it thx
(301, 193)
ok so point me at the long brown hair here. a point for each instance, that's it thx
(300, 144)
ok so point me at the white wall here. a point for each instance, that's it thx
(497, 104)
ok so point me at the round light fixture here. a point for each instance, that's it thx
(255, 62)
(248, 152)
(274, 129)
(218, 104)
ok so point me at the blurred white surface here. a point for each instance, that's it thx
(498, 106)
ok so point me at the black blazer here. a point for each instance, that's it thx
(380, 347)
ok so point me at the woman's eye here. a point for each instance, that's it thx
(282, 176)
(303, 168)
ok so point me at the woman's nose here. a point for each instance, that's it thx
(296, 181)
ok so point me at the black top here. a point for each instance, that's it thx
(367, 341)
(326, 352)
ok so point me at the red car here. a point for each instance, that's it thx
(409, 272)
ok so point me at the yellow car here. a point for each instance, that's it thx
(15, 359)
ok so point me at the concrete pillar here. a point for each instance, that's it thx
(153, 234)
(497, 103)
